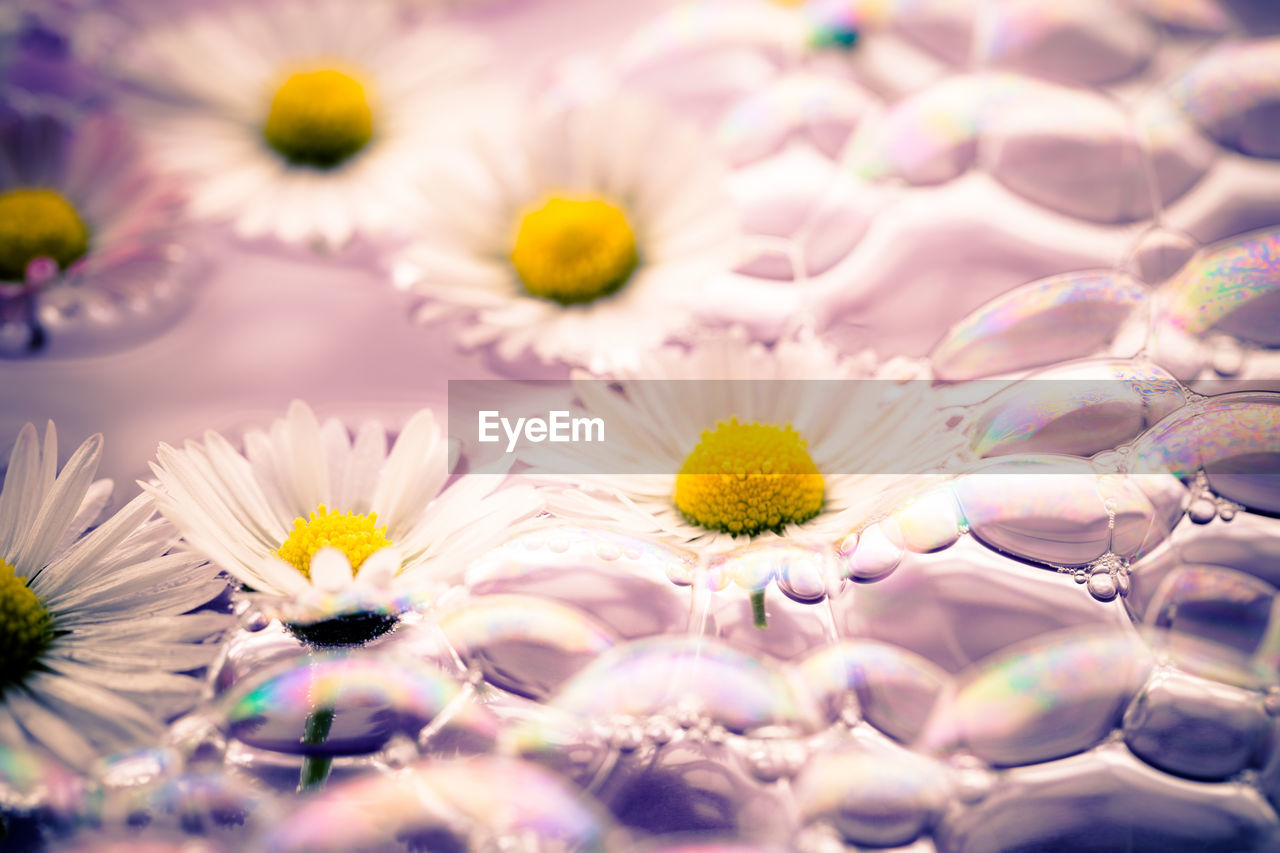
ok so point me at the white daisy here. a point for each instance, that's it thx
(322, 526)
(305, 120)
(96, 628)
(583, 236)
(89, 237)
(805, 461)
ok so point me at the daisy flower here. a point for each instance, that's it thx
(89, 256)
(811, 462)
(583, 236)
(333, 534)
(302, 120)
(95, 628)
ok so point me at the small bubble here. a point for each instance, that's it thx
(1102, 587)
(608, 551)
(627, 737)
(659, 730)
(558, 544)
(1122, 582)
(973, 778)
(1080, 576)
(1271, 702)
(1227, 511)
(764, 764)
(1202, 510)
(1228, 357)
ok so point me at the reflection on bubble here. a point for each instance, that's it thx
(1194, 727)
(484, 803)
(654, 675)
(1233, 438)
(877, 800)
(1079, 409)
(1085, 42)
(895, 688)
(1059, 694)
(930, 522)
(1233, 286)
(30, 781)
(196, 803)
(1056, 318)
(524, 644)
(372, 698)
(821, 109)
(1216, 622)
(1233, 93)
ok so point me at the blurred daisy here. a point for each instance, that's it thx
(583, 237)
(322, 527)
(769, 455)
(87, 252)
(95, 629)
(303, 120)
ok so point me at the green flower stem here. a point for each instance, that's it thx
(757, 609)
(315, 769)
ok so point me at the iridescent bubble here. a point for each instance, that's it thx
(1233, 94)
(1107, 799)
(1056, 318)
(524, 644)
(569, 745)
(819, 109)
(895, 688)
(1196, 727)
(805, 570)
(1160, 253)
(1233, 438)
(1078, 409)
(479, 803)
(793, 628)
(1233, 286)
(30, 780)
(1216, 622)
(372, 698)
(1042, 508)
(964, 604)
(647, 677)
(1086, 42)
(1201, 16)
(1071, 151)
(872, 553)
(930, 522)
(199, 803)
(873, 799)
(630, 592)
(1059, 694)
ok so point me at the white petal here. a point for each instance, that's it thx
(330, 569)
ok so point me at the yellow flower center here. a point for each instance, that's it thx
(749, 478)
(37, 223)
(25, 628)
(357, 536)
(573, 250)
(319, 119)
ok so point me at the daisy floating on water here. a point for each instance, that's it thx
(763, 456)
(583, 237)
(89, 257)
(96, 628)
(303, 120)
(336, 536)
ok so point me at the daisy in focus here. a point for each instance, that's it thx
(332, 533)
(584, 236)
(89, 251)
(304, 120)
(96, 629)
(766, 456)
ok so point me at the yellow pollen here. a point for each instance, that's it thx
(319, 118)
(749, 478)
(38, 223)
(573, 250)
(25, 628)
(357, 536)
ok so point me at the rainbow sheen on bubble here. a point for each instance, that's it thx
(373, 698)
(653, 676)
(1232, 95)
(481, 803)
(1233, 286)
(1049, 697)
(1053, 319)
